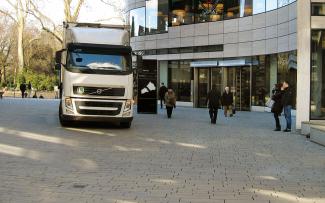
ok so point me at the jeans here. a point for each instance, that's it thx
(169, 111)
(287, 115)
(213, 115)
(161, 102)
(277, 120)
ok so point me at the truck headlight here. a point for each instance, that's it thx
(128, 105)
(68, 103)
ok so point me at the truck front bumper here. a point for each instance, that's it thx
(96, 119)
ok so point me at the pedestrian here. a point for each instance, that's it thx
(162, 92)
(29, 89)
(227, 102)
(213, 102)
(287, 103)
(22, 89)
(277, 106)
(170, 101)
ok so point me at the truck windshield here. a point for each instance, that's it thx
(98, 63)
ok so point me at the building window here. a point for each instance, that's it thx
(179, 79)
(137, 22)
(271, 5)
(287, 70)
(209, 11)
(181, 12)
(317, 103)
(318, 9)
(231, 9)
(246, 8)
(156, 16)
(260, 81)
(282, 3)
(258, 6)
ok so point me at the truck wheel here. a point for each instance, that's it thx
(63, 122)
(126, 125)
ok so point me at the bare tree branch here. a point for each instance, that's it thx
(34, 11)
(77, 10)
(6, 13)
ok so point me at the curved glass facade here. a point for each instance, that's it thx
(159, 14)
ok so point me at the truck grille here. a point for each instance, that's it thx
(99, 91)
(98, 108)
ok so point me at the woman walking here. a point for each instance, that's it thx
(227, 101)
(277, 106)
(170, 101)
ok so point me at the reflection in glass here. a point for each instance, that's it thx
(282, 3)
(271, 5)
(179, 79)
(258, 6)
(156, 16)
(260, 81)
(318, 9)
(203, 86)
(246, 8)
(231, 9)
(181, 12)
(317, 102)
(287, 69)
(209, 10)
(137, 22)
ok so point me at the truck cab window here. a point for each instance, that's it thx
(86, 62)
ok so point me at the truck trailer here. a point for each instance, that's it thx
(96, 77)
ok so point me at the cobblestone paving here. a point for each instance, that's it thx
(184, 159)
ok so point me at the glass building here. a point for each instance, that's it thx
(248, 45)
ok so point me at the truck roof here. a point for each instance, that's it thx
(90, 33)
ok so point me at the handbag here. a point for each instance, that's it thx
(270, 103)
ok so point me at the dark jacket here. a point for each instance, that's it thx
(213, 99)
(162, 92)
(22, 87)
(287, 97)
(277, 98)
(227, 99)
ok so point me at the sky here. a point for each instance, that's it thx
(92, 11)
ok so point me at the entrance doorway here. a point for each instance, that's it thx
(237, 78)
(239, 81)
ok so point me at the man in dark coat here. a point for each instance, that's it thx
(162, 92)
(213, 101)
(287, 103)
(277, 106)
(22, 89)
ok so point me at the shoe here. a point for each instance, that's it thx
(277, 129)
(287, 130)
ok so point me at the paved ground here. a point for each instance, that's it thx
(184, 159)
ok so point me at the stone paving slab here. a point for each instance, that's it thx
(184, 159)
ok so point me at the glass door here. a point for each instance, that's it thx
(203, 86)
(216, 78)
(245, 88)
(239, 82)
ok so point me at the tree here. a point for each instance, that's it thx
(71, 14)
(18, 13)
(118, 7)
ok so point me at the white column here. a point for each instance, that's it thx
(303, 72)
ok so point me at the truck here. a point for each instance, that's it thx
(96, 77)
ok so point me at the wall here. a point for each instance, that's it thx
(265, 33)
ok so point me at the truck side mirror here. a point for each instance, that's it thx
(57, 66)
(58, 56)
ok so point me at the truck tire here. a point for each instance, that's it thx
(126, 124)
(63, 122)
